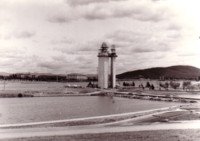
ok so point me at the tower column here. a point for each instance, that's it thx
(113, 56)
(113, 73)
(103, 72)
(103, 66)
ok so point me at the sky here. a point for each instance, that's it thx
(63, 36)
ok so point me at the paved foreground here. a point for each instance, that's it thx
(56, 132)
(157, 135)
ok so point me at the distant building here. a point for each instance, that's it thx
(21, 75)
(76, 77)
(162, 78)
(38, 76)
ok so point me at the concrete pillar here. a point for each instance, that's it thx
(103, 66)
(113, 57)
(113, 72)
(103, 72)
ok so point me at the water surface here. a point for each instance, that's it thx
(22, 110)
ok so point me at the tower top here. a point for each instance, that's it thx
(104, 45)
(113, 51)
(103, 51)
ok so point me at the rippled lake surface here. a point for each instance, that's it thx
(24, 110)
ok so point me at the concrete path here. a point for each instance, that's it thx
(56, 131)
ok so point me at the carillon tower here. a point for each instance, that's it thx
(113, 57)
(103, 70)
(103, 67)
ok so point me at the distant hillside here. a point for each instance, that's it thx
(178, 72)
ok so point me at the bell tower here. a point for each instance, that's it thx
(113, 57)
(103, 65)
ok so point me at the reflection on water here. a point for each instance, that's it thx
(20, 110)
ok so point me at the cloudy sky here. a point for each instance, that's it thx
(63, 36)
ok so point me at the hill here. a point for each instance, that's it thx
(177, 72)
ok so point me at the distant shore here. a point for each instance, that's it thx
(46, 93)
(156, 95)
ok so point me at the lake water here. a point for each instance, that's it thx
(24, 110)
